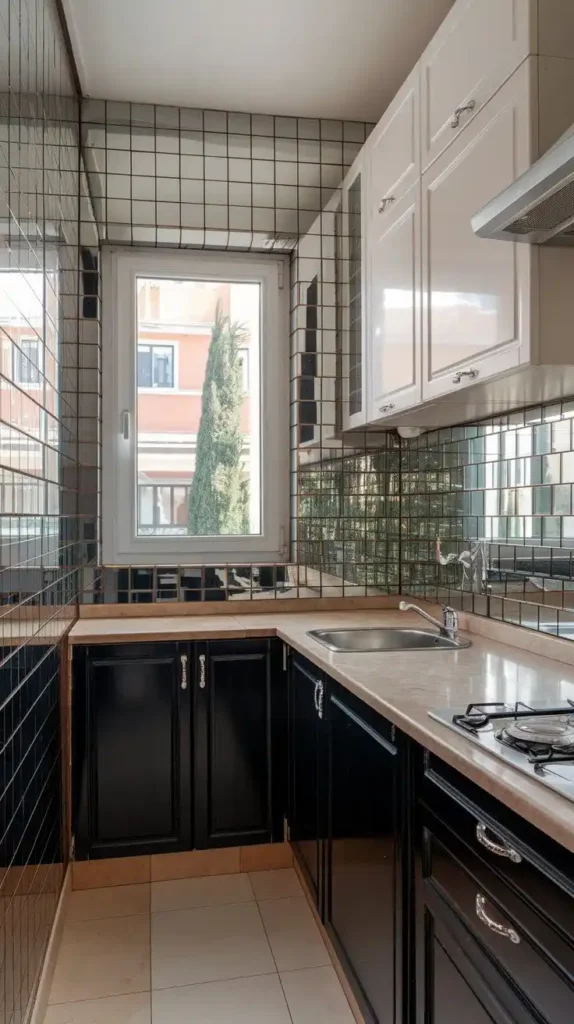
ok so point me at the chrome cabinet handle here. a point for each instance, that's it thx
(320, 700)
(499, 929)
(183, 660)
(387, 201)
(387, 408)
(202, 671)
(461, 110)
(315, 695)
(472, 374)
(501, 849)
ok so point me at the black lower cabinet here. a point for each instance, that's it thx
(458, 983)
(131, 746)
(307, 790)
(495, 911)
(178, 746)
(364, 878)
(240, 750)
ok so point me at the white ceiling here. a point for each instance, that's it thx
(310, 58)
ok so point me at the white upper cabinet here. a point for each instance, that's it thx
(476, 292)
(394, 149)
(477, 47)
(351, 248)
(393, 285)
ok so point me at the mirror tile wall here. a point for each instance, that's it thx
(366, 509)
(498, 496)
(40, 452)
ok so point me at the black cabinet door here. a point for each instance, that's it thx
(306, 775)
(240, 725)
(458, 983)
(132, 745)
(364, 876)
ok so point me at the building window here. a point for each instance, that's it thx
(155, 366)
(227, 495)
(26, 361)
(244, 359)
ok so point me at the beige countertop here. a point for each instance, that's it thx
(404, 686)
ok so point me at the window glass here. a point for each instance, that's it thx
(200, 446)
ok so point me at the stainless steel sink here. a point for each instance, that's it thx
(384, 639)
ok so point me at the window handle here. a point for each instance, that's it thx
(125, 424)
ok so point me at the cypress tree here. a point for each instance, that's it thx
(219, 494)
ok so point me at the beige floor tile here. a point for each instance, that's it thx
(293, 934)
(195, 863)
(132, 1009)
(102, 958)
(210, 891)
(316, 995)
(242, 1001)
(95, 874)
(274, 885)
(114, 901)
(266, 857)
(208, 944)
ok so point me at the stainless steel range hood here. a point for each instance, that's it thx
(539, 206)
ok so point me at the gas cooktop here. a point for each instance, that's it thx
(537, 739)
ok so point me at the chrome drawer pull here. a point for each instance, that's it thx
(461, 110)
(386, 408)
(184, 671)
(471, 374)
(320, 700)
(387, 201)
(501, 849)
(499, 929)
(202, 671)
(315, 695)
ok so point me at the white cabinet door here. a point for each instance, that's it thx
(395, 309)
(477, 47)
(394, 148)
(476, 291)
(351, 272)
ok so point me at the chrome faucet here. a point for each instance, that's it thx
(449, 625)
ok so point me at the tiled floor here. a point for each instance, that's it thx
(241, 948)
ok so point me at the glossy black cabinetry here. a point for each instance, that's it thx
(365, 902)
(177, 746)
(240, 755)
(307, 782)
(495, 910)
(132, 751)
(346, 824)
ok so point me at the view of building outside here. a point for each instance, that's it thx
(175, 327)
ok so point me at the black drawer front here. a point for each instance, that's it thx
(530, 952)
(543, 874)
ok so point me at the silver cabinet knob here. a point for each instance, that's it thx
(471, 374)
(183, 660)
(455, 123)
(387, 408)
(387, 201)
(202, 671)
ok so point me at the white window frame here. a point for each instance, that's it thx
(120, 543)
